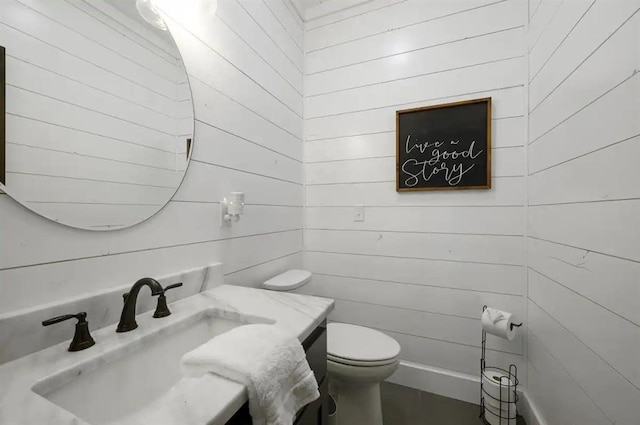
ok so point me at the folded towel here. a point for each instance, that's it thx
(268, 361)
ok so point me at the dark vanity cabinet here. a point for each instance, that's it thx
(316, 412)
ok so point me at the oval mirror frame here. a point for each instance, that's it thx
(100, 199)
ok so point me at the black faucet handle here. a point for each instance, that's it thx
(162, 310)
(82, 316)
(82, 338)
(175, 285)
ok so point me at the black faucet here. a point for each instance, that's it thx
(128, 316)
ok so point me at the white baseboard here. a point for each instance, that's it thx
(457, 385)
(460, 386)
(529, 410)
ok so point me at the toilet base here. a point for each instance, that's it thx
(358, 404)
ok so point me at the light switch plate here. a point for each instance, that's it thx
(358, 213)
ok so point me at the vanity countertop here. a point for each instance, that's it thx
(209, 399)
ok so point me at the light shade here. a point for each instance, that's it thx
(150, 13)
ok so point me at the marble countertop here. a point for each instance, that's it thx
(191, 401)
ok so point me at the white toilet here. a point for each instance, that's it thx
(358, 359)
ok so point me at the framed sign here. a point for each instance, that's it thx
(444, 147)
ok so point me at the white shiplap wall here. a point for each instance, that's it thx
(245, 65)
(421, 265)
(584, 211)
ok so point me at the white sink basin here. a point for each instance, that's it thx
(95, 392)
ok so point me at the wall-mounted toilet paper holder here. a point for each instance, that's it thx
(514, 325)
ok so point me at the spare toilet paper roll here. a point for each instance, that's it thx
(494, 419)
(504, 409)
(497, 385)
(498, 323)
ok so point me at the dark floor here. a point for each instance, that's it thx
(406, 406)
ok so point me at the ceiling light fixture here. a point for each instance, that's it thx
(150, 13)
(213, 6)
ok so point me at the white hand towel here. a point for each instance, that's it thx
(268, 361)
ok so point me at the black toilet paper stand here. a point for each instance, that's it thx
(511, 386)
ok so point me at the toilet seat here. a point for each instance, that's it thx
(360, 346)
(351, 362)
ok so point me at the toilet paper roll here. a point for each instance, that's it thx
(504, 409)
(498, 386)
(494, 419)
(498, 323)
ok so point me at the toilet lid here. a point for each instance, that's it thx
(360, 344)
(289, 280)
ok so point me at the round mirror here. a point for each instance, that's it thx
(99, 115)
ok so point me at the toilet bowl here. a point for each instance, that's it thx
(358, 359)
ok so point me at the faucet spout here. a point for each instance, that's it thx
(128, 316)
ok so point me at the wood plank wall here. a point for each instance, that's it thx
(421, 265)
(584, 211)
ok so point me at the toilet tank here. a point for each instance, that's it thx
(288, 281)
